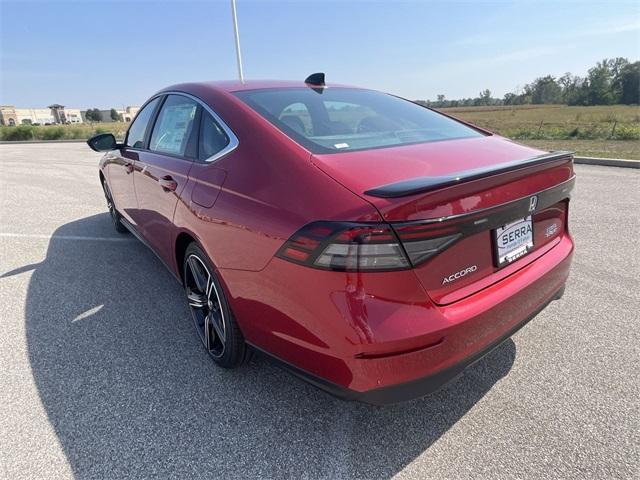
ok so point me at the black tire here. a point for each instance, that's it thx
(113, 213)
(212, 317)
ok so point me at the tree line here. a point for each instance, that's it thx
(611, 81)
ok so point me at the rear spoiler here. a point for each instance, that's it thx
(426, 184)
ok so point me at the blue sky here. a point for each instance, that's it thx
(102, 54)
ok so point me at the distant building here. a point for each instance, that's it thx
(57, 114)
(29, 116)
(73, 115)
(129, 113)
(8, 115)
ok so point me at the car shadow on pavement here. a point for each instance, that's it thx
(130, 391)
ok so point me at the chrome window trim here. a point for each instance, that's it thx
(233, 140)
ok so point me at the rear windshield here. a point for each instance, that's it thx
(344, 119)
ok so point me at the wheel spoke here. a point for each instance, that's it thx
(208, 341)
(209, 286)
(218, 324)
(197, 276)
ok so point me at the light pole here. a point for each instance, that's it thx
(234, 13)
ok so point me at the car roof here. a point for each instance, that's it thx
(230, 86)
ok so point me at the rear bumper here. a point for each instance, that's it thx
(415, 388)
(379, 339)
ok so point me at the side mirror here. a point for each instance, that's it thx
(103, 142)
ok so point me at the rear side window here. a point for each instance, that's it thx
(174, 128)
(137, 130)
(212, 137)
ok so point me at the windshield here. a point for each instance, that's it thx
(345, 119)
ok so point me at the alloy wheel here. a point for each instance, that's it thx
(206, 306)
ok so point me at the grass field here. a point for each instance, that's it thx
(611, 131)
(626, 149)
(80, 131)
(604, 131)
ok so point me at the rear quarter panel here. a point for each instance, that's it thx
(270, 190)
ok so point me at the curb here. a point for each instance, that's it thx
(607, 162)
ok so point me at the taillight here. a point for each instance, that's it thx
(347, 246)
(422, 241)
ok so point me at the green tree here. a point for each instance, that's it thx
(93, 115)
(510, 98)
(115, 116)
(617, 65)
(484, 98)
(627, 83)
(545, 90)
(600, 84)
(609, 81)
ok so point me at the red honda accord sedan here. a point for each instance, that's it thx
(372, 246)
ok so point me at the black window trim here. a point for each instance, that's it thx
(231, 145)
(152, 123)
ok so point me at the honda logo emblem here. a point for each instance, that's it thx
(533, 203)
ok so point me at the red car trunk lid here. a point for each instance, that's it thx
(471, 185)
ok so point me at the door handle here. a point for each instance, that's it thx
(168, 184)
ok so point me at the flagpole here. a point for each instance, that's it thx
(237, 35)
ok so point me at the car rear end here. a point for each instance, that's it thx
(497, 257)
(472, 243)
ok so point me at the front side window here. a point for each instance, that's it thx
(173, 131)
(135, 137)
(212, 137)
(346, 119)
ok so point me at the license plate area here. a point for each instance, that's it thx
(513, 241)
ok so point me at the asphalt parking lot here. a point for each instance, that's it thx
(101, 375)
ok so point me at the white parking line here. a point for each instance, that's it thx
(65, 237)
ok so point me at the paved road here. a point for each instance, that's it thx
(102, 377)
